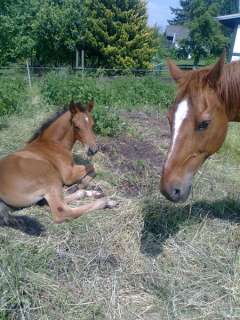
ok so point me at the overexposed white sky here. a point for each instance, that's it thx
(159, 11)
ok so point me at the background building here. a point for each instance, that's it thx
(233, 21)
(175, 33)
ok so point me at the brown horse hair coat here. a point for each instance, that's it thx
(207, 99)
(39, 170)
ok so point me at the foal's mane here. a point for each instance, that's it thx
(46, 124)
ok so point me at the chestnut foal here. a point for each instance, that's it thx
(45, 164)
(207, 99)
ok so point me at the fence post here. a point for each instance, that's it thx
(77, 59)
(82, 60)
(29, 75)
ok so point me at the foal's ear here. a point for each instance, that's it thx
(174, 70)
(72, 107)
(216, 72)
(90, 105)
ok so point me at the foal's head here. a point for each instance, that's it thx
(198, 125)
(82, 123)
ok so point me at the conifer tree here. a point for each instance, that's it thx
(116, 34)
(113, 33)
(182, 14)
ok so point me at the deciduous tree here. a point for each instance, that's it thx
(206, 35)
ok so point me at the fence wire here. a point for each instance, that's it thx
(31, 73)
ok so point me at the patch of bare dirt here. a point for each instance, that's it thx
(153, 127)
(139, 154)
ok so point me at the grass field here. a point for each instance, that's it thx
(147, 259)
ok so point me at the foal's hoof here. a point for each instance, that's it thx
(92, 174)
(111, 204)
(74, 188)
(105, 203)
(89, 168)
(95, 194)
(98, 194)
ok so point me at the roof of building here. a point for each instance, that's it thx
(230, 20)
(177, 31)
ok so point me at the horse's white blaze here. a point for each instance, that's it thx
(86, 118)
(180, 115)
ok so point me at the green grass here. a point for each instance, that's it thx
(13, 95)
(230, 148)
(148, 259)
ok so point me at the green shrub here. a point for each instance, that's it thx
(61, 88)
(12, 96)
(110, 95)
(126, 91)
(107, 121)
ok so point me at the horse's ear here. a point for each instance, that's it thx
(79, 106)
(216, 72)
(90, 105)
(174, 70)
(72, 107)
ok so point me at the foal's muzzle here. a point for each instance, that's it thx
(92, 150)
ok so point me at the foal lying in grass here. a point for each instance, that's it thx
(45, 164)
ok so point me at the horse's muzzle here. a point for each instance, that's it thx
(176, 189)
(92, 150)
(176, 193)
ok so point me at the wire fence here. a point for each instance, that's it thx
(34, 73)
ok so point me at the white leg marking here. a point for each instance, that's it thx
(180, 115)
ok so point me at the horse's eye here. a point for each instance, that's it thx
(203, 125)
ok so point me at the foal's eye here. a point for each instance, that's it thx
(203, 125)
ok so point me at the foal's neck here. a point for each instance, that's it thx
(229, 90)
(61, 131)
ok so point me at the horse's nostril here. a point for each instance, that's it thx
(176, 192)
(173, 193)
(90, 152)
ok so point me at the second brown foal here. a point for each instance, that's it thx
(45, 164)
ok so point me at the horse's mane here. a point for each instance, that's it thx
(192, 82)
(46, 124)
(229, 87)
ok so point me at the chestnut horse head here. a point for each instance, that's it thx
(82, 122)
(68, 126)
(198, 120)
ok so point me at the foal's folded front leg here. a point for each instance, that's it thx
(77, 173)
